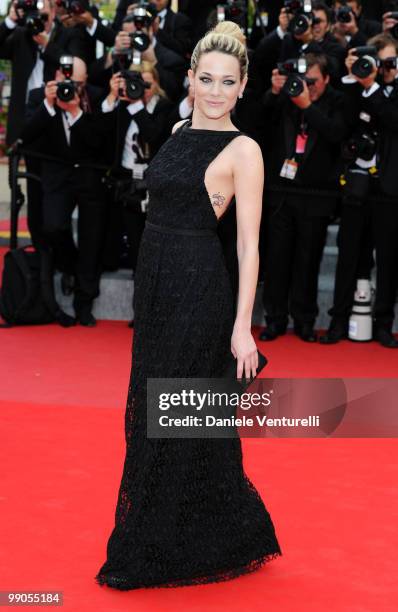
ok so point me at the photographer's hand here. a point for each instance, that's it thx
(303, 101)
(41, 39)
(350, 61)
(85, 18)
(50, 92)
(122, 41)
(149, 54)
(278, 81)
(116, 84)
(68, 20)
(388, 22)
(367, 81)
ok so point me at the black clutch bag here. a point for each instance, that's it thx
(243, 383)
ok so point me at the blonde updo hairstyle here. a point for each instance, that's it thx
(225, 37)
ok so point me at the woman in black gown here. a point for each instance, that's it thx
(186, 511)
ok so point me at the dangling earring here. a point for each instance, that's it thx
(240, 96)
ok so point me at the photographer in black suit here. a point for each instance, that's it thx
(372, 109)
(34, 58)
(169, 64)
(354, 25)
(74, 136)
(302, 166)
(293, 37)
(174, 30)
(136, 130)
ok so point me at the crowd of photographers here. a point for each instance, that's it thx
(321, 100)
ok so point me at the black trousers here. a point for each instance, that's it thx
(83, 260)
(134, 223)
(355, 260)
(385, 222)
(295, 239)
(123, 220)
(35, 203)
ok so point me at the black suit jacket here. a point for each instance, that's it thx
(176, 33)
(383, 113)
(320, 166)
(19, 47)
(46, 134)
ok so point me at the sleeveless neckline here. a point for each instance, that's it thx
(186, 128)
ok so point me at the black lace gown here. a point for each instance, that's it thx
(186, 511)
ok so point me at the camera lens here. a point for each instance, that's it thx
(363, 67)
(66, 91)
(294, 86)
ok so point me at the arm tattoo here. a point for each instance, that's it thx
(217, 199)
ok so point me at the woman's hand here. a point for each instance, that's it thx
(244, 349)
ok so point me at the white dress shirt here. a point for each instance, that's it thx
(67, 119)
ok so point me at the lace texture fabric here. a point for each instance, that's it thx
(186, 511)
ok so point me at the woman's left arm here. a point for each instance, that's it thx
(248, 174)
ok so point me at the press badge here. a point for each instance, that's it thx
(289, 169)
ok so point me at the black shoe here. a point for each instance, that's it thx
(64, 319)
(385, 338)
(272, 331)
(131, 323)
(87, 319)
(335, 333)
(305, 331)
(67, 283)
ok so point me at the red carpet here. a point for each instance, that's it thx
(334, 502)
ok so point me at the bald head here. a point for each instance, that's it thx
(79, 70)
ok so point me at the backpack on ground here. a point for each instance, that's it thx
(27, 292)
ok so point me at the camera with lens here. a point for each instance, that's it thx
(142, 16)
(32, 19)
(367, 61)
(390, 63)
(362, 146)
(295, 70)
(66, 89)
(303, 17)
(232, 10)
(135, 84)
(344, 14)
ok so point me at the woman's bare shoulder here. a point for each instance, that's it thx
(177, 125)
(247, 144)
(246, 150)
